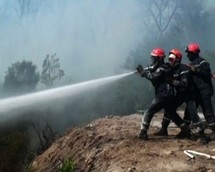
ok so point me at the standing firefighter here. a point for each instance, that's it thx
(181, 80)
(157, 73)
(201, 77)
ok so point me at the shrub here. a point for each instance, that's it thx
(67, 166)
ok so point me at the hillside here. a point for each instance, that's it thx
(111, 144)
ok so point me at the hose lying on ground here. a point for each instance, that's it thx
(192, 154)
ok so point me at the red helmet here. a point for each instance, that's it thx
(177, 53)
(158, 52)
(193, 47)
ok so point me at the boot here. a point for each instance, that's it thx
(184, 133)
(186, 118)
(187, 122)
(213, 136)
(197, 130)
(143, 135)
(163, 131)
(203, 138)
(212, 127)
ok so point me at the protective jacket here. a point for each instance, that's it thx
(202, 82)
(202, 76)
(182, 80)
(158, 76)
(164, 92)
(184, 92)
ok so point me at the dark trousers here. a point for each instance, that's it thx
(157, 104)
(190, 108)
(203, 99)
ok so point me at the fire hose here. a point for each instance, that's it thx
(192, 154)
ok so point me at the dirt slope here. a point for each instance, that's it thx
(111, 145)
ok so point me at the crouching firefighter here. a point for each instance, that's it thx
(157, 73)
(181, 80)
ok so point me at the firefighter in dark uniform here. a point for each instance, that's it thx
(181, 79)
(157, 73)
(202, 81)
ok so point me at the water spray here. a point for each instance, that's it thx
(17, 105)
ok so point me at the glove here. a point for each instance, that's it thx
(139, 68)
(145, 73)
(194, 68)
(169, 80)
(175, 82)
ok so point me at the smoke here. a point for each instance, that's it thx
(91, 38)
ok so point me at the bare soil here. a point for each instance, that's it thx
(111, 145)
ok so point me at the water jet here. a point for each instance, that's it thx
(14, 106)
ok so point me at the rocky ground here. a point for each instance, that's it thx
(111, 145)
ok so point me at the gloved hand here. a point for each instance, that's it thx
(169, 80)
(194, 68)
(145, 73)
(139, 68)
(175, 82)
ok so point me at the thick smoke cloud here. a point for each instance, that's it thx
(94, 38)
(91, 38)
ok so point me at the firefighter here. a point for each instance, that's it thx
(157, 73)
(202, 81)
(181, 79)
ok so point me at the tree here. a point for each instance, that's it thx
(21, 76)
(161, 14)
(51, 70)
(25, 8)
(194, 17)
(44, 131)
(14, 149)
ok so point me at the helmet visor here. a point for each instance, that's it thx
(154, 59)
(172, 58)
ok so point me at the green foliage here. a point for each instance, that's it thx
(51, 70)
(67, 166)
(13, 150)
(28, 168)
(21, 76)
